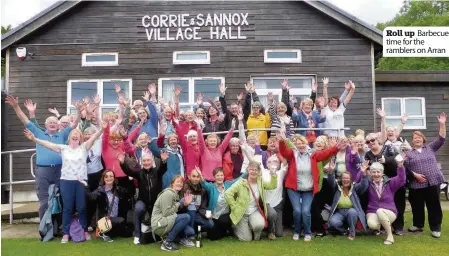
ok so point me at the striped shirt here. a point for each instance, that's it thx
(425, 163)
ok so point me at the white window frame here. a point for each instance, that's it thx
(192, 96)
(278, 92)
(298, 59)
(99, 92)
(85, 63)
(410, 117)
(195, 62)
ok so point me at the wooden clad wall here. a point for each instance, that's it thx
(328, 50)
(433, 93)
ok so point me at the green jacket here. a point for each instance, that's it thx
(164, 211)
(238, 197)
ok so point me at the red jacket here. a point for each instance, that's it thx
(318, 156)
(228, 165)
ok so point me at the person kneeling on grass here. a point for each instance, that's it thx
(381, 207)
(346, 208)
(247, 201)
(165, 222)
(110, 198)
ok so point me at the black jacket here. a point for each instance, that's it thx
(196, 190)
(150, 181)
(99, 196)
(227, 122)
(390, 165)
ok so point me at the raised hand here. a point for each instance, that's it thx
(240, 96)
(54, 111)
(199, 98)
(222, 88)
(152, 88)
(177, 90)
(347, 86)
(161, 102)
(332, 141)
(97, 99)
(332, 165)
(86, 100)
(240, 116)
(381, 113)
(188, 198)
(117, 88)
(315, 87)
(78, 105)
(364, 166)
(30, 106)
(404, 118)
(197, 169)
(248, 86)
(325, 81)
(29, 134)
(442, 118)
(122, 131)
(352, 84)
(164, 156)
(90, 109)
(146, 96)
(13, 102)
(285, 85)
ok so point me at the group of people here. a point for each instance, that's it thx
(233, 170)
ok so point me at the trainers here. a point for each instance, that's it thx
(296, 237)
(307, 238)
(136, 240)
(376, 232)
(168, 246)
(65, 239)
(90, 229)
(398, 232)
(107, 238)
(87, 236)
(271, 236)
(414, 229)
(436, 234)
(187, 242)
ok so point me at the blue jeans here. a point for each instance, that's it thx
(72, 193)
(181, 229)
(302, 204)
(45, 176)
(196, 218)
(342, 216)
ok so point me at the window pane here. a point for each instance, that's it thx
(275, 83)
(392, 107)
(414, 122)
(282, 55)
(72, 111)
(185, 108)
(208, 87)
(107, 110)
(100, 58)
(393, 122)
(413, 107)
(109, 95)
(168, 87)
(83, 89)
(191, 56)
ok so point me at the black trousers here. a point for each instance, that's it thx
(429, 197)
(399, 201)
(128, 184)
(93, 180)
(319, 200)
(222, 227)
(119, 228)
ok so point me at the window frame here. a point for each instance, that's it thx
(191, 62)
(100, 87)
(85, 63)
(278, 92)
(410, 117)
(192, 96)
(266, 59)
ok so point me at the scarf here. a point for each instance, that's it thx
(178, 153)
(379, 188)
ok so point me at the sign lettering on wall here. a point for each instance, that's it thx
(185, 27)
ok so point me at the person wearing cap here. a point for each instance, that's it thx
(381, 207)
(149, 184)
(257, 120)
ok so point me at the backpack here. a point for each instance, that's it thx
(76, 232)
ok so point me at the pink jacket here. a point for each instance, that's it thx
(212, 158)
(131, 148)
(190, 153)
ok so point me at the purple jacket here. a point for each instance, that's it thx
(390, 186)
(352, 164)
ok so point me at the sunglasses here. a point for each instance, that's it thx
(370, 141)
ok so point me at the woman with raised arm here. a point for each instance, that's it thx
(190, 149)
(427, 178)
(165, 222)
(278, 113)
(74, 167)
(232, 160)
(334, 110)
(257, 120)
(390, 134)
(148, 115)
(248, 204)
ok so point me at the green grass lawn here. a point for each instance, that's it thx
(409, 244)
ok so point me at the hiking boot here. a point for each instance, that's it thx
(168, 246)
(271, 236)
(414, 229)
(187, 242)
(65, 239)
(436, 234)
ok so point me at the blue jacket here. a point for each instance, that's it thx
(358, 188)
(46, 227)
(150, 127)
(212, 190)
(174, 164)
(300, 121)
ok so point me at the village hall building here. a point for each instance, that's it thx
(75, 49)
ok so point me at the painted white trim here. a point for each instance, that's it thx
(410, 117)
(84, 63)
(373, 86)
(195, 62)
(298, 58)
(293, 91)
(7, 57)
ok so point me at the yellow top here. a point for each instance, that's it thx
(261, 121)
(345, 202)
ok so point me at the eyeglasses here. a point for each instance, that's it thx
(370, 141)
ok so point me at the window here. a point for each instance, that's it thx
(78, 89)
(282, 56)
(191, 57)
(99, 59)
(208, 86)
(301, 86)
(414, 108)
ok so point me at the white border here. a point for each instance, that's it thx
(84, 63)
(184, 62)
(298, 59)
(278, 92)
(415, 117)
